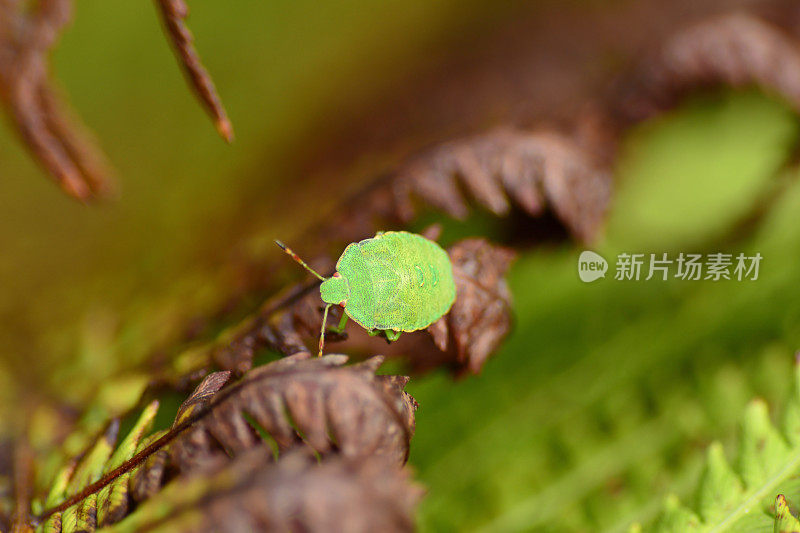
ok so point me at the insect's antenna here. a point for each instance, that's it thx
(322, 332)
(294, 256)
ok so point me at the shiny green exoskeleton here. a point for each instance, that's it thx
(394, 282)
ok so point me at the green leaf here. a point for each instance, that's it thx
(110, 504)
(58, 491)
(791, 418)
(720, 487)
(81, 517)
(677, 518)
(763, 451)
(767, 465)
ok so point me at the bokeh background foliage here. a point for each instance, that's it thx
(605, 396)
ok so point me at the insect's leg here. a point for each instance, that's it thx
(374, 332)
(322, 332)
(392, 335)
(342, 324)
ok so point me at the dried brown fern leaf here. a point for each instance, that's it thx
(237, 347)
(736, 49)
(296, 493)
(174, 14)
(481, 316)
(299, 401)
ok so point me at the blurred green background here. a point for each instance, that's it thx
(605, 395)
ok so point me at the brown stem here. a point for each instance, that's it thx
(174, 13)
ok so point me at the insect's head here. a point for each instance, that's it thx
(335, 290)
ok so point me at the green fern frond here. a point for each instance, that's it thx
(753, 493)
(110, 503)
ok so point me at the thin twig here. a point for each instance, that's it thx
(174, 14)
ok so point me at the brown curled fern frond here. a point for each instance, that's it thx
(535, 170)
(43, 119)
(317, 404)
(296, 493)
(567, 170)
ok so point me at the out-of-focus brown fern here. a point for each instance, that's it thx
(253, 493)
(28, 32)
(535, 170)
(737, 49)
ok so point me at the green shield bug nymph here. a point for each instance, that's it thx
(394, 282)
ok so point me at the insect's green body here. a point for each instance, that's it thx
(395, 281)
